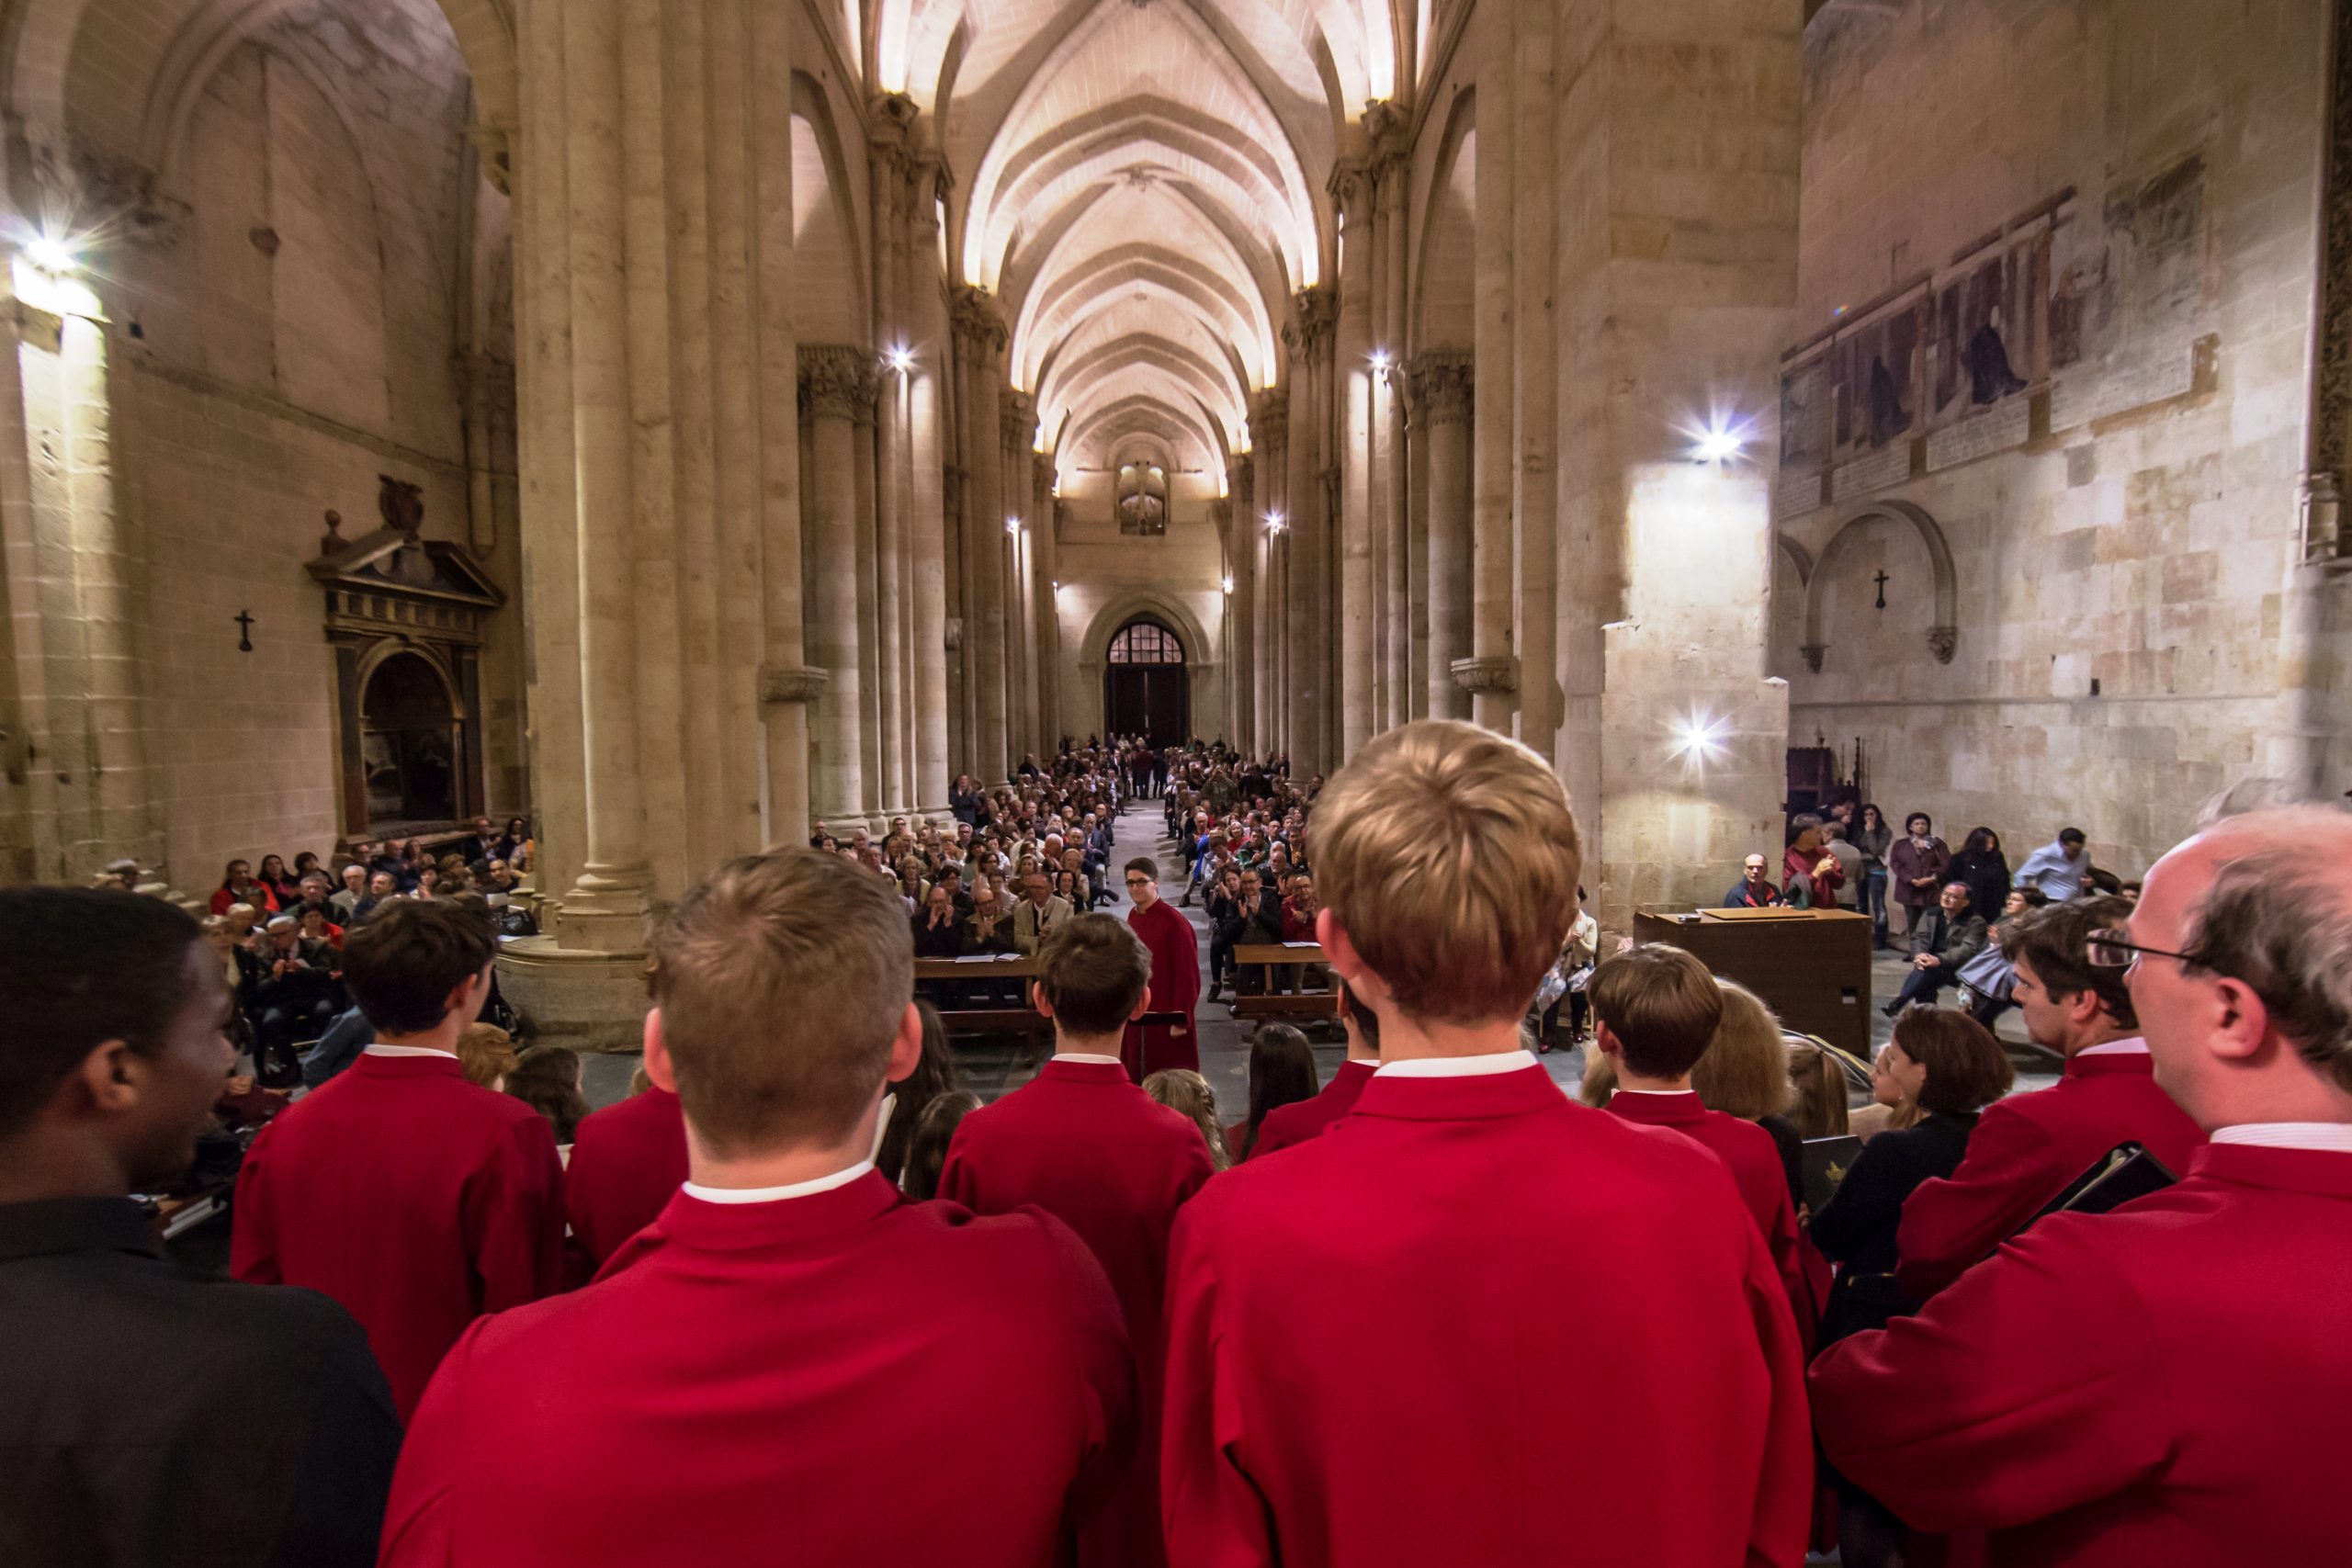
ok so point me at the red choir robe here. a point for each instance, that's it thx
(2025, 1151)
(627, 1161)
(1294, 1124)
(1358, 1371)
(2160, 1386)
(1175, 949)
(1754, 1160)
(840, 1378)
(1086, 1145)
(417, 1200)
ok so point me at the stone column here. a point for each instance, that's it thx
(1490, 675)
(1019, 412)
(889, 171)
(1044, 511)
(829, 388)
(1310, 342)
(980, 339)
(1357, 407)
(924, 388)
(1441, 397)
(871, 651)
(1241, 604)
(1391, 167)
(1270, 435)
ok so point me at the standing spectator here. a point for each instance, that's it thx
(1942, 942)
(1282, 1072)
(1983, 870)
(2061, 868)
(460, 1188)
(152, 1414)
(1222, 904)
(238, 886)
(1754, 890)
(1875, 840)
(1915, 868)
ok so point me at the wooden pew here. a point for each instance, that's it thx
(1271, 957)
(998, 1018)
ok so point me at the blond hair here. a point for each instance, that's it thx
(1449, 856)
(782, 982)
(485, 1054)
(1746, 1070)
(1188, 1094)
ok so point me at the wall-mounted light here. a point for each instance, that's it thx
(1380, 360)
(1697, 739)
(900, 359)
(1013, 526)
(1276, 523)
(1227, 583)
(52, 255)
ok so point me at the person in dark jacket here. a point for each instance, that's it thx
(1943, 941)
(152, 1414)
(1949, 1066)
(1983, 870)
(1915, 868)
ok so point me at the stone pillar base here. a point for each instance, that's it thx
(575, 997)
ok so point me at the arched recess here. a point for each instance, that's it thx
(412, 743)
(828, 267)
(1150, 604)
(1943, 636)
(1443, 302)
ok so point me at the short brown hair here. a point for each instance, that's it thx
(2054, 939)
(1091, 971)
(1662, 1004)
(1449, 856)
(401, 962)
(1745, 1070)
(782, 982)
(1967, 1069)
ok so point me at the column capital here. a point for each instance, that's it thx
(1390, 130)
(1350, 187)
(1041, 471)
(1318, 313)
(1440, 384)
(791, 683)
(835, 379)
(979, 319)
(1270, 418)
(1496, 675)
(1017, 412)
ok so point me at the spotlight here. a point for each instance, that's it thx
(1013, 525)
(1717, 445)
(1274, 522)
(1698, 738)
(1380, 360)
(52, 255)
(1227, 583)
(900, 360)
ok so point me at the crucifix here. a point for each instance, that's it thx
(244, 631)
(1882, 588)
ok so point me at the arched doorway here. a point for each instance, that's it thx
(409, 745)
(1147, 690)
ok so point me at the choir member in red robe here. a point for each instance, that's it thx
(2028, 1149)
(627, 1162)
(792, 1364)
(1304, 1119)
(1086, 1147)
(1175, 949)
(1356, 1374)
(417, 1200)
(2166, 1383)
(1655, 1013)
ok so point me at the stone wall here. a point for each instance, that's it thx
(2120, 505)
(1108, 577)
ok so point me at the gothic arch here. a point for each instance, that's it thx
(1943, 636)
(1130, 604)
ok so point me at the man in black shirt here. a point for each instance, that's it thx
(151, 1414)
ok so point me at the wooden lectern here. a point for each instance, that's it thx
(1812, 966)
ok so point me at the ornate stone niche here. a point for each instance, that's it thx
(404, 620)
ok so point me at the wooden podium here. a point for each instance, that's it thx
(1812, 966)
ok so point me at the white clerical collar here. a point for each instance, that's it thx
(408, 1050)
(2336, 1137)
(771, 1194)
(1668, 1091)
(1457, 1067)
(1088, 1058)
(2135, 1047)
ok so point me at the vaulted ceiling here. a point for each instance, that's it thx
(1142, 183)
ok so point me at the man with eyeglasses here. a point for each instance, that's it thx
(1175, 949)
(2166, 1384)
(2028, 1149)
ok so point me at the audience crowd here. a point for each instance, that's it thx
(2085, 1325)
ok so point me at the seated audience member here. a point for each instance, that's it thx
(1084, 1144)
(934, 1074)
(935, 1133)
(989, 928)
(340, 1046)
(293, 998)
(238, 886)
(1282, 1072)
(779, 1341)
(1285, 1125)
(547, 1079)
(938, 929)
(2029, 1147)
(1039, 911)
(417, 1200)
(1463, 1189)
(1754, 890)
(1942, 942)
(2164, 1384)
(1989, 977)
(1809, 875)
(353, 894)
(486, 1055)
(1654, 1012)
(1188, 1094)
(152, 1414)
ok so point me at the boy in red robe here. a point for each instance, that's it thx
(1655, 1012)
(1175, 949)
(1086, 1147)
(2028, 1149)
(627, 1161)
(793, 1363)
(1298, 1122)
(2166, 1384)
(1354, 1377)
(417, 1200)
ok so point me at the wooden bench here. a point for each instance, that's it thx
(1271, 957)
(999, 1019)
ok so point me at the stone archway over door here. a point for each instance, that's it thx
(1146, 689)
(1943, 636)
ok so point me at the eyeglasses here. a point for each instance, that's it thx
(2115, 949)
